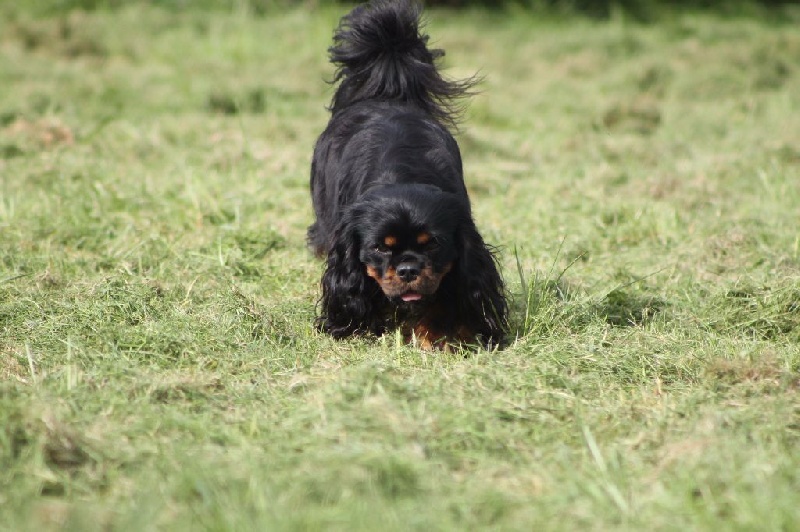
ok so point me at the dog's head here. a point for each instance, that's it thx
(407, 247)
(407, 240)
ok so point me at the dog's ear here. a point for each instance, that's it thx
(349, 298)
(481, 294)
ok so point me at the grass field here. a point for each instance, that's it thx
(159, 369)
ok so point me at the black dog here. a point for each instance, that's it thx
(393, 216)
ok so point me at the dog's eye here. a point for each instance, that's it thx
(381, 248)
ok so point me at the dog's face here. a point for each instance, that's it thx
(408, 241)
(408, 262)
(411, 248)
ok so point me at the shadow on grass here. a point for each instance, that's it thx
(625, 308)
(550, 304)
(763, 312)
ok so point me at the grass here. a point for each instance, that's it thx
(158, 364)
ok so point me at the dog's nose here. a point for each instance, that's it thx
(408, 271)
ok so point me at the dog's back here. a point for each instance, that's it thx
(390, 99)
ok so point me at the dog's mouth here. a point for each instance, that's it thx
(410, 296)
(415, 291)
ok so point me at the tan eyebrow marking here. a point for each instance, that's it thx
(423, 238)
(390, 240)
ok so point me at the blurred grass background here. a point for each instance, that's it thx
(158, 365)
(641, 10)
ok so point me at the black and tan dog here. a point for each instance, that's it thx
(392, 213)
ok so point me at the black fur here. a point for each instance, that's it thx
(387, 170)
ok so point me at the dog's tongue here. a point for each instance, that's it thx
(411, 296)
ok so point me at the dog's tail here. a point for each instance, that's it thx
(382, 55)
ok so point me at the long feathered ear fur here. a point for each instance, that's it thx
(481, 293)
(349, 299)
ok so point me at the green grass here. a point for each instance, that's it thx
(159, 369)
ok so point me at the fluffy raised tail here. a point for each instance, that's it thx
(381, 55)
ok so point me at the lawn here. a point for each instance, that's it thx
(159, 368)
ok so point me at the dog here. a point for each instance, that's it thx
(392, 212)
